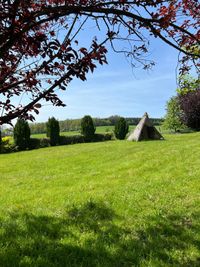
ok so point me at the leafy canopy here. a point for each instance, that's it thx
(40, 50)
(172, 120)
(189, 101)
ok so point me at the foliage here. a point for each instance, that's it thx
(73, 139)
(34, 143)
(102, 204)
(76, 139)
(188, 84)
(40, 50)
(190, 106)
(53, 131)
(172, 120)
(6, 140)
(189, 101)
(6, 146)
(102, 137)
(21, 134)
(44, 142)
(87, 128)
(121, 128)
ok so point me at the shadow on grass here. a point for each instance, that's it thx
(88, 236)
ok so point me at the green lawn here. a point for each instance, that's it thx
(116, 203)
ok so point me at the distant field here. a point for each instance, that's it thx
(99, 129)
(109, 204)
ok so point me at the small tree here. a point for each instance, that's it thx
(53, 131)
(22, 134)
(87, 128)
(173, 117)
(121, 128)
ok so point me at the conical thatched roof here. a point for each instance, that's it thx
(145, 131)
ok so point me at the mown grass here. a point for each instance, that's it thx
(116, 203)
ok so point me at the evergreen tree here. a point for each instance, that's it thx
(22, 134)
(53, 131)
(87, 128)
(121, 128)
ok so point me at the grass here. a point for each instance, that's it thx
(116, 203)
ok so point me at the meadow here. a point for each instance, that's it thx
(115, 203)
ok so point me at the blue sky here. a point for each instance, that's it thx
(118, 89)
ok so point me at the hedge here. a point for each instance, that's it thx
(35, 143)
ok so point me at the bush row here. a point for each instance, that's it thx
(68, 140)
(22, 140)
(35, 143)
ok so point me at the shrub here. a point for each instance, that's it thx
(121, 128)
(53, 131)
(34, 143)
(5, 140)
(21, 134)
(6, 146)
(87, 128)
(102, 137)
(76, 139)
(72, 139)
(44, 142)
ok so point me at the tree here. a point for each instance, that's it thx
(172, 119)
(121, 128)
(40, 51)
(22, 134)
(87, 128)
(53, 131)
(189, 101)
(190, 106)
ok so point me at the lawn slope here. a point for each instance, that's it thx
(115, 203)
